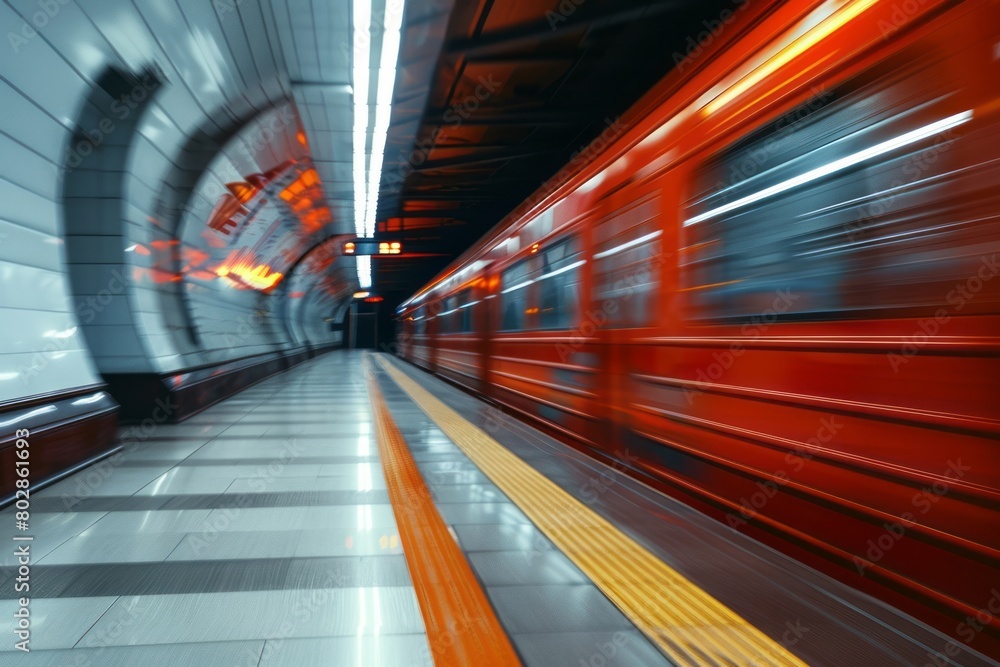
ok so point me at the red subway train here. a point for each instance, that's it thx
(775, 294)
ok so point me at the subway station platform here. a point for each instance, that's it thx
(356, 511)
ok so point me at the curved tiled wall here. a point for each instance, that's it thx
(125, 268)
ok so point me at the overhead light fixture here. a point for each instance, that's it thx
(383, 105)
(368, 166)
(362, 17)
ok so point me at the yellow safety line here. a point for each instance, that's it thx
(689, 625)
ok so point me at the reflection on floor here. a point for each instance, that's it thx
(256, 533)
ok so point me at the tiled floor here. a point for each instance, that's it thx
(256, 533)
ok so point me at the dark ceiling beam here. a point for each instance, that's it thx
(526, 35)
(467, 161)
(475, 147)
(463, 180)
(550, 117)
(478, 198)
(443, 214)
(531, 57)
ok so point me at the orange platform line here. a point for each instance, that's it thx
(461, 626)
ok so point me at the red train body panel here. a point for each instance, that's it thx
(777, 295)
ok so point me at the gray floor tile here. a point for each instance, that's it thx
(162, 451)
(160, 619)
(465, 493)
(230, 545)
(235, 518)
(188, 480)
(522, 568)
(101, 548)
(291, 484)
(55, 622)
(499, 537)
(378, 541)
(46, 582)
(347, 572)
(50, 531)
(623, 648)
(101, 481)
(382, 651)
(229, 654)
(157, 521)
(176, 577)
(357, 518)
(502, 513)
(553, 609)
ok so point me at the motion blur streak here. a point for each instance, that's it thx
(787, 310)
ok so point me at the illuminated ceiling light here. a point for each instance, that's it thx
(360, 295)
(816, 28)
(367, 180)
(393, 22)
(365, 271)
(839, 165)
(362, 46)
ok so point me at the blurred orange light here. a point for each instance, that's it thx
(242, 190)
(822, 30)
(240, 268)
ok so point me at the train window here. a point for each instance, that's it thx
(841, 208)
(559, 285)
(463, 315)
(420, 321)
(457, 314)
(514, 296)
(449, 316)
(627, 248)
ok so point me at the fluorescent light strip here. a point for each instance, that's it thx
(362, 17)
(364, 271)
(383, 106)
(625, 246)
(838, 165)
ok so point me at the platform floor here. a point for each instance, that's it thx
(262, 532)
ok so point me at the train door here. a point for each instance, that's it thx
(627, 244)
